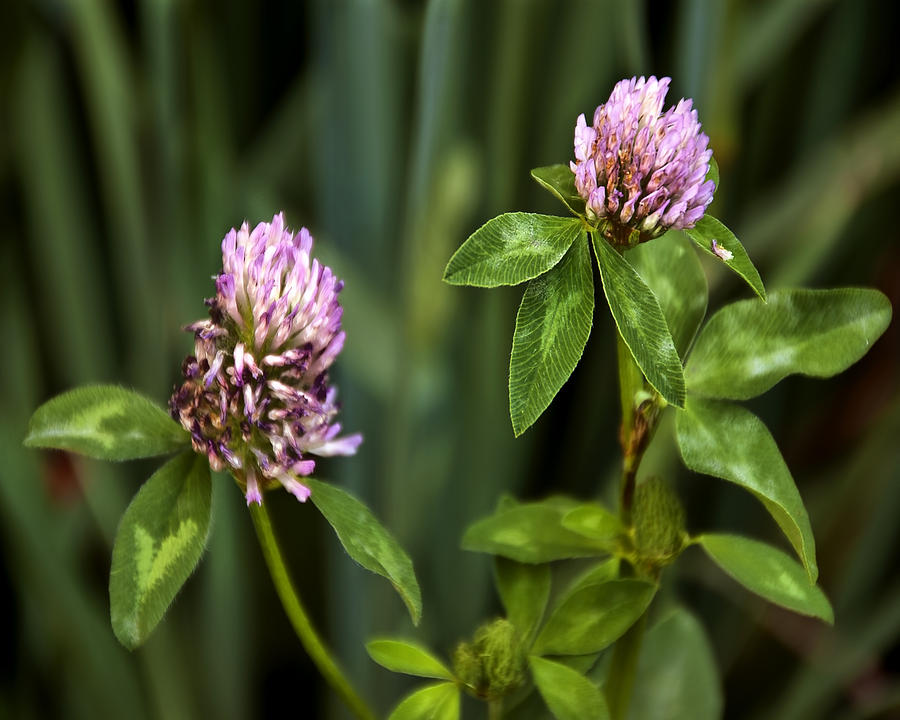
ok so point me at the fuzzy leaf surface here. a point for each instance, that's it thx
(403, 656)
(512, 248)
(367, 541)
(749, 346)
(594, 617)
(568, 693)
(530, 533)
(159, 542)
(768, 572)
(729, 442)
(524, 591)
(672, 270)
(641, 323)
(593, 521)
(677, 673)
(552, 327)
(708, 229)
(560, 181)
(434, 702)
(105, 422)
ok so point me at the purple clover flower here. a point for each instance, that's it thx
(639, 170)
(255, 396)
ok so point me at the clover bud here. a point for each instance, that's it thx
(494, 663)
(658, 516)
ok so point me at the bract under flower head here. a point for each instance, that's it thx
(255, 396)
(639, 170)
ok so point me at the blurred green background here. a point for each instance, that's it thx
(135, 135)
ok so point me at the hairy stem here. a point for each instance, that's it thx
(631, 386)
(290, 600)
(640, 411)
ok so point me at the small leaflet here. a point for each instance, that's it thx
(721, 252)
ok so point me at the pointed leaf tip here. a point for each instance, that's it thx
(730, 442)
(641, 322)
(768, 572)
(552, 328)
(748, 346)
(559, 180)
(367, 541)
(568, 693)
(404, 656)
(105, 422)
(159, 542)
(711, 234)
(433, 702)
(510, 249)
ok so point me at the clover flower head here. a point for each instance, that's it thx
(256, 397)
(642, 171)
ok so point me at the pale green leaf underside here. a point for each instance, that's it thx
(641, 323)
(768, 572)
(524, 590)
(672, 271)
(106, 422)
(552, 328)
(748, 346)
(435, 702)
(560, 181)
(529, 533)
(568, 694)
(729, 442)
(404, 656)
(512, 248)
(677, 673)
(708, 229)
(367, 541)
(594, 617)
(158, 544)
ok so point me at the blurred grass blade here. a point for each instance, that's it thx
(70, 303)
(106, 73)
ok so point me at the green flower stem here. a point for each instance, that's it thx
(495, 709)
(290, 600)
(631, 385)
(641, 405)
(640, 411)
(622, 670)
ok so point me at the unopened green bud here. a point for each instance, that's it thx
(503, 657)
(494, 663)
(658, 522)
(467, 667)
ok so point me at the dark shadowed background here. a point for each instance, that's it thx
(135, 135)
